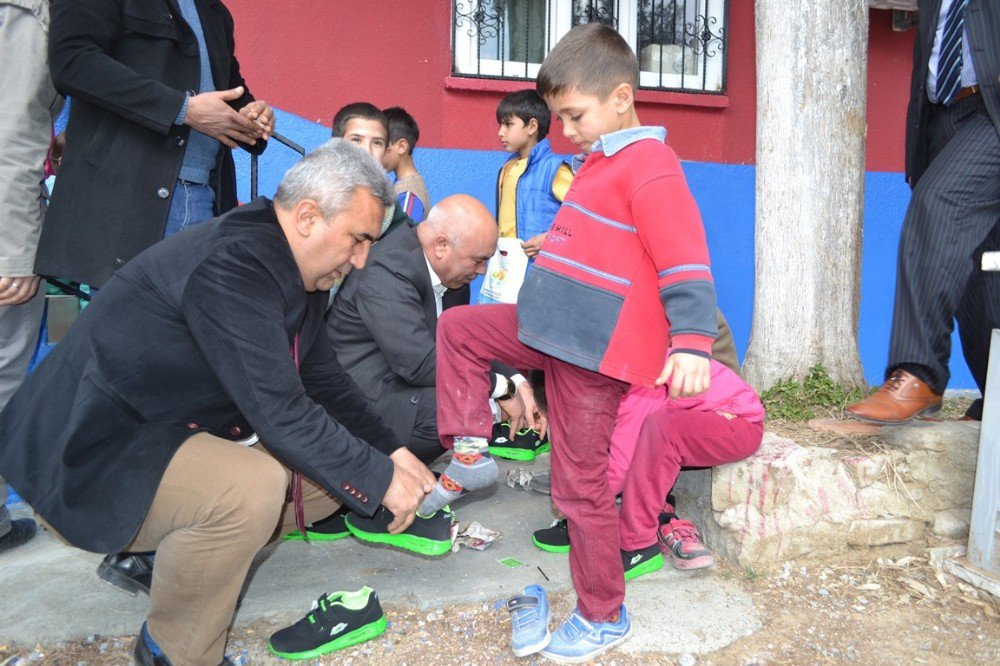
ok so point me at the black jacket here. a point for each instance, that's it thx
(127, 64)
(982, 22)
(191, 334)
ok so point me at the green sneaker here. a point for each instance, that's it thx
(553, 539)
(641, 562)
(427, 536)
(330, 528)
(524, 445)
(336, 621)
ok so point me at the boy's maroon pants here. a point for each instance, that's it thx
(582, 409)
(672, 438)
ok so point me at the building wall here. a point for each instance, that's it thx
(309, 59)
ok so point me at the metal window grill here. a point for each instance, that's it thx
(681, 44)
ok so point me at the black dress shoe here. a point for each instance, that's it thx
(131, 572)
(147, 655)
(20, 531)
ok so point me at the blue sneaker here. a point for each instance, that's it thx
(579, 639)
(529, 621)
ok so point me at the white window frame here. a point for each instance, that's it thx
(466, 62)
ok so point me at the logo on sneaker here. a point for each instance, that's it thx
(636, 558)
(338, 628)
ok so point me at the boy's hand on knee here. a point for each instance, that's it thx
(687, 375)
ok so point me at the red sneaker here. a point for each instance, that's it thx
(680, 540)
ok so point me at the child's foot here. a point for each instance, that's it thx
(529, 621)
(427, 536)
(641, 562)
(331, 528)
(579, 640)
(554, 539)
(337, 621)
(471, 468)
(680, 540)
(525, 444)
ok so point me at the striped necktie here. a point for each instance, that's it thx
(949, 73)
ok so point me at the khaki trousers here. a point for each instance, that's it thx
(217, 505)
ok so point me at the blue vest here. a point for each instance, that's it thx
(534, 204)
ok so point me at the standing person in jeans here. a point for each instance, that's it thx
(30, 104)
(158, 101)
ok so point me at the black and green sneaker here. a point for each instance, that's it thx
(427, 536)
(336, 621)
(554, 539)
(330, 528)
(525, 444)
(641, 562)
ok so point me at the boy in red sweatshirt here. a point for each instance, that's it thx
(622, 282)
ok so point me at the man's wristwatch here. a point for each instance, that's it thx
(511, 390)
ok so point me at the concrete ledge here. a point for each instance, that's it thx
(793, 501)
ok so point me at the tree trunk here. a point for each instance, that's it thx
(812, 59)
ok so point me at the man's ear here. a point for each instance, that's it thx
(622, 96)
(440, 247)
(305, 216)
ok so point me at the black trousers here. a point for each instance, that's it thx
(953, 217)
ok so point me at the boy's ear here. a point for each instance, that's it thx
(623, 97)
(402, 146)
(532, 127)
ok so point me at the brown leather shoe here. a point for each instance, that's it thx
(901, 398)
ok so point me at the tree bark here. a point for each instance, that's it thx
(812, 60)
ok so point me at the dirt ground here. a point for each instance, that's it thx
(886, 607)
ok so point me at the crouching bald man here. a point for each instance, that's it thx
(125, 436)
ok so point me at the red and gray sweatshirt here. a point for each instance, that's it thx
(623, 276)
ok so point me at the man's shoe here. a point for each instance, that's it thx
(902, 398)
(130, 572)
(147, 652)
(21, 530)
(336, 621)
(680, 540)
(529, 621)
(641, 562)
(579, 639)
(427, 536)
(554, 539)
(524, 445)
(331, 528)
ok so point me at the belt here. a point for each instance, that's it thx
(962, 93)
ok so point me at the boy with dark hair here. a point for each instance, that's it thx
(533, 183)
(365, 125)
(411, 191)
(622, 282)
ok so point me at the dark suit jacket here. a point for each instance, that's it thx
(191, 334)
(127, 64)
(383, 324)
(982, 20)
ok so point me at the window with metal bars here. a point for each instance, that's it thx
(681, 44)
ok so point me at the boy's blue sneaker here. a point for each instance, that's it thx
(529, 621)
(579, 639)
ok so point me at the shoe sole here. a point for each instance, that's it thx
(365, 633)
(403, 541)
(548, 547)
(111, 576)
(315, 536)
(933, 409)
(699, 562)
(524, 455)
(579, 659)
(649, 566)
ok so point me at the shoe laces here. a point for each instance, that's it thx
(895, 380)
(683, 530)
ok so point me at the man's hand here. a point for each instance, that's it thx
(17, 290)
(687, 374)
(406, 490)
(210, 114)
(533, 245)
(522, 410)
(262, 114)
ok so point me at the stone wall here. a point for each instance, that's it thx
(793, 501)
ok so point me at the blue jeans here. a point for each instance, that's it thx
(192, 203)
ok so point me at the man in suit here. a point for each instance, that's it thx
(158, 101)
(953, 166)
(136, 405)
(384, 319)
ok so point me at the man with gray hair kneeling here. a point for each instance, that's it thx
(133, 433)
